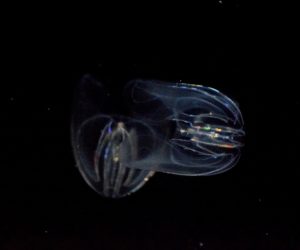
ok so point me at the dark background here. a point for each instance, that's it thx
(45, 204)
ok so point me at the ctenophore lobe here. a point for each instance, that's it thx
(104, 146)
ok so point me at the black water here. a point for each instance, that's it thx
(45, 204)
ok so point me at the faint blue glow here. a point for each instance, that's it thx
(176, 128)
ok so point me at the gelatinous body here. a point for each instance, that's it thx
(208, 126)
(174, 128)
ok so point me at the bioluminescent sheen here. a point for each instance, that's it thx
(175, 128)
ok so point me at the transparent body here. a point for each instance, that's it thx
(176, 128)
